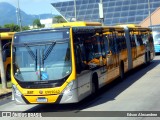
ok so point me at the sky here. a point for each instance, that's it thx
(34, 7)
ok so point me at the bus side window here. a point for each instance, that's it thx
(119, 43)
(97, 46)
(112, 44)
(132, 39)
(102, 45)
(139, 40)
(116, 43)
(125, 44)
(122, 41)
(89, 48)
(105, 38)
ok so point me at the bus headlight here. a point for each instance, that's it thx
(68, 88)
(16, 91)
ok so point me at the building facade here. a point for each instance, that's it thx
(154, 19)
(115, 11)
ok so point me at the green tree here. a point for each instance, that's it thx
(58, 19)
(37, 24)
(25, 28)
(13, 27)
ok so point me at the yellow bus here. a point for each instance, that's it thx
(75, 24)
(67, 64)
(6, 38)
(142, 47)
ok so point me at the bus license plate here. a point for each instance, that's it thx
(42, 99)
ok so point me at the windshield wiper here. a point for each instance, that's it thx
(48, 51)
(33, 56)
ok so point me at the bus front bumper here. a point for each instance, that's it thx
(67, 97)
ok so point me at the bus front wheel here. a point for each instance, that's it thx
(94, 84)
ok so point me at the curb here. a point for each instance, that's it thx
(5, 95)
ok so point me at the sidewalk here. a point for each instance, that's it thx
(5, 93)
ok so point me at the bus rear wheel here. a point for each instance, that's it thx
(122, 71)
(147, 58)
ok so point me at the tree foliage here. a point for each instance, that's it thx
(59, 19)
(37, 24)
(15, 28)
(25, 28)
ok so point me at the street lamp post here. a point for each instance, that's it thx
(101, 15)
(75, 10)
(19, 16)
(149, 12)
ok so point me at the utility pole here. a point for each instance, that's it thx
(149, 12)
(19, 16)
(3, 73)
(75, 10)
(101, 15)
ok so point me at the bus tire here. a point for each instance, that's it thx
(146, 58)
(8, 73)
(122, 76)
(149, 58)
(94, 83)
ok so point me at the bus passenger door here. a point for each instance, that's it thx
(102, 59)
(134, 50)
(110, 57)
(100, 46)
(83, 72)
(140, 49)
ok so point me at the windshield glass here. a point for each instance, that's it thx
(37, 57)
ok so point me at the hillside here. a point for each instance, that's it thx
(8, 15)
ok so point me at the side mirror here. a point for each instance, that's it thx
(4, 55)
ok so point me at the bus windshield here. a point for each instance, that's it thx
(44, 56)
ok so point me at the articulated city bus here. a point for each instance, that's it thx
(6, 38)
(67, 64)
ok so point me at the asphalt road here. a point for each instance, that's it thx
(140, 92)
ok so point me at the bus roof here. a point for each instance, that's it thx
(76, 24)
(6, 35)
(135, 27)
(113, 28)
(129, 25)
